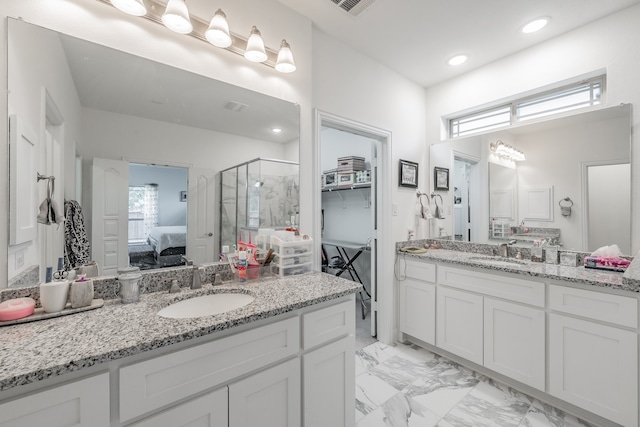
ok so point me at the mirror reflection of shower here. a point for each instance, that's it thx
(258, 196)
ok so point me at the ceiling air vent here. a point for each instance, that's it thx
(354, 7)
(235, 106)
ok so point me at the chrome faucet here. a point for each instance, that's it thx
(197, 277)
(504, 248)
(187, 261)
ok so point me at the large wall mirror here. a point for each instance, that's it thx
(580, 162)
(132, 144)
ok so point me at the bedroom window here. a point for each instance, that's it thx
(143, 212)
(584, 94)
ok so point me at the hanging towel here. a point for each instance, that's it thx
(76, 243)
(423, 210)
(50, 212)
(439, 214)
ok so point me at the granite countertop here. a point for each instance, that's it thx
(39, 350)
(629, 281)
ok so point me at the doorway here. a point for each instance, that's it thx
(607, 191)
(369, 201)
(465, 197)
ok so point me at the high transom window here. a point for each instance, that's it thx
(545, 104)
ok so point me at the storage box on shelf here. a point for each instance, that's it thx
(330, 179)
(351, 163)
(293, 256)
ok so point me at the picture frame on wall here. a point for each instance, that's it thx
(441, 179)
(183, 196)
(408, 174)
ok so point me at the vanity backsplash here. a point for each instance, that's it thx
(108, 287)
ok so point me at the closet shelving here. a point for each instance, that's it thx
(366, 195)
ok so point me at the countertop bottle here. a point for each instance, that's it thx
(242, 266)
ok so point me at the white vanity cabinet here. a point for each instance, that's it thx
(82, 403)
(572, 344)
(294, 370)
(418, 301)
(483, 318)
(592, 364)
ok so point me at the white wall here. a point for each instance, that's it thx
(100, 23)
(608, 44)
(25, 100)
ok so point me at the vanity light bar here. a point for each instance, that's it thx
(156, 9)
(505, 150)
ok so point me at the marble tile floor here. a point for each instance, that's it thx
(407, 386)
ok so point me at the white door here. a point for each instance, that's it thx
(329, 375)
(200, 216)
(418, 309)
(514, 341)
(595, 367)
(459, 323)
(110, 213)
(270, 398)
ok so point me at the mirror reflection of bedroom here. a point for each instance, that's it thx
(157, 233)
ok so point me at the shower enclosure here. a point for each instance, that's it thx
(260, 193)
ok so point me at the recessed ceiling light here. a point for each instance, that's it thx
(457, 60)
(276, 130)
(535, 25)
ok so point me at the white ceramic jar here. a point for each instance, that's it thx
(53, 295)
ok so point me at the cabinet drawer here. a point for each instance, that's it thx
(595, 305)
(80, 403)
(210, 410)
(149, 385)
(511, 288)
(328, 323)
(421, 270)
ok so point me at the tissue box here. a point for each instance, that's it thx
(606, 263)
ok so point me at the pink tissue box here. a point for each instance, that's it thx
(606, 263)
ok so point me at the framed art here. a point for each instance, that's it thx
(183, 196)
(441, 178)
(408, 174)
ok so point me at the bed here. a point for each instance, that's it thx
(169, 244)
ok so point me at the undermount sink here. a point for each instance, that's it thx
(498, 261)
(206, 305)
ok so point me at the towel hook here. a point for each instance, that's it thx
(41, 177)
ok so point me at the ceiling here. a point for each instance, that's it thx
(416, 38)
(112, 80)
